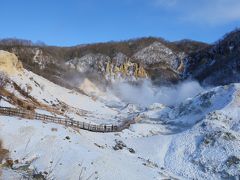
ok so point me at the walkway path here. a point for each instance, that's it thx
(104, 128)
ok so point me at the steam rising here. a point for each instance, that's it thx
(147, 94)
(143, 94)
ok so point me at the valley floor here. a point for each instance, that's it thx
(65, 153)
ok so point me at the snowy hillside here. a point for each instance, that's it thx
(156, 53)
(197, 138)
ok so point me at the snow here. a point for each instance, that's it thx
(30, 139)
(49, 93)
(41, 59)
(40, 111)
(202, 151)
(198, 138)
(87, 62)
(158, 52)
(4, 103)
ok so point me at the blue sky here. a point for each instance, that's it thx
(71, 22)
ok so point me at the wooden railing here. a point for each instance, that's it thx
(64, 121)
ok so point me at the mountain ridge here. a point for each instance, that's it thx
(163, 61)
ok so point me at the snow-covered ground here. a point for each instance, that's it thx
(198, 138)
(51, 94)
(64, 158)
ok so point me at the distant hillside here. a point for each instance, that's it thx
(217, 64)
(161, 61)
(155, 58)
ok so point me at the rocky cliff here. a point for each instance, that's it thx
(9, 63)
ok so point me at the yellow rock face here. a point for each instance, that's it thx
(9, 63)
(124, 69)
(141, 73)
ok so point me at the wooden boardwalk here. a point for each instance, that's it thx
(104, 128)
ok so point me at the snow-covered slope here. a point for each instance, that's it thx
(194, 139)
(205, 134)
(205, 147)
(89, 152)
(40, 93)
(158, 53)
(68, 101)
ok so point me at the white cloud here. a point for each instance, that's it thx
(211, 12)
(216, 12)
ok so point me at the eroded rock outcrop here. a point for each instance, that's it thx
(9, 63)
(119, 67)
(126, 70)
